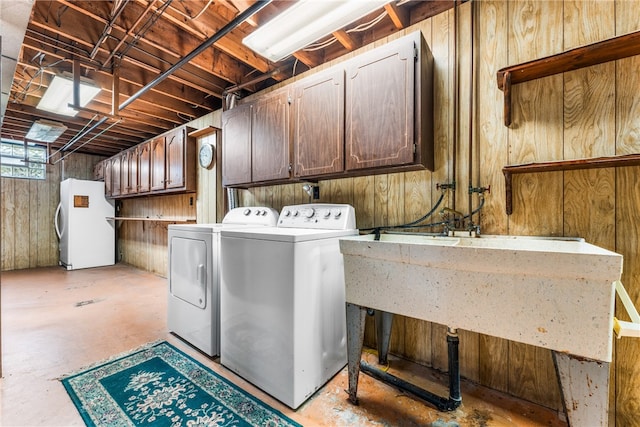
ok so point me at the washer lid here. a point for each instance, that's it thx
(292, 235)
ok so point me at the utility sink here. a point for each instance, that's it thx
(556, 294)
(551, 293)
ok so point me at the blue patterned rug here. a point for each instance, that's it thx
(162, 386)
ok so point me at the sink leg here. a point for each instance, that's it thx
(356, 316)
(585, 389)
(383, 321)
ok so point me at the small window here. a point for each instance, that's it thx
(20, 161)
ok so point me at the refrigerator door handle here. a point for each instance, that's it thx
(55, 220)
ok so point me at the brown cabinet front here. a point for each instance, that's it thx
(175, 145)
(236, 145)
(157, 163)
(270, 138)
(108, 177)
(116, 175)
(144, 167)
(379, 127)
(318, 131)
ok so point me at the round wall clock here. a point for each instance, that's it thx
(205, 155)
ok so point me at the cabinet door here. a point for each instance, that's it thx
(144, 169)
(379, 126)
(125, 186)
(318, 131)
(108, 177)
(236, 145)
(270, 138)
(157, 163)
(133, 171)
(116, 175)
(175, 159)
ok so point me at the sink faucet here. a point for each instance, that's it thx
(449, 216)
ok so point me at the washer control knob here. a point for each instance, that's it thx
(337, 213)
(287, 213)
(264, 212)
(296, 213)
(309, 213)
(247, 212)
(258, 212)
(327, 214)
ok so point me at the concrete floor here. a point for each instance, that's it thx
(55, 322)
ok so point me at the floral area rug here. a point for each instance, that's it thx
(162, 386)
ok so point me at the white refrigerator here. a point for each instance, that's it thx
(87, 235)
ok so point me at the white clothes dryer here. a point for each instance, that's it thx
(283, 301)
(193, 308)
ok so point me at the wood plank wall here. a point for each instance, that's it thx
(585, 113)
(27, 209)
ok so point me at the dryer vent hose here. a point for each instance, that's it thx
(232, 197)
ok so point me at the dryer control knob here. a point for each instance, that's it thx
(247, 212)
(309, 213)
(337, 213)
(287, 212)
(327, 214)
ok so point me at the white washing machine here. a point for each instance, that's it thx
(194, 275)
(283, 301)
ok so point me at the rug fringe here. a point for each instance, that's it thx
(111, 358)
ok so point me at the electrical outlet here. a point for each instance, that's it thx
(191, 201)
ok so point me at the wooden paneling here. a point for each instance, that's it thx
(27, 210)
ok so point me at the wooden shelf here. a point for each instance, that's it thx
(152, 219)
(574, 59)
(563, 165)
(204, 131)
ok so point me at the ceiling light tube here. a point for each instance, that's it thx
(59, 95)
(305, 22)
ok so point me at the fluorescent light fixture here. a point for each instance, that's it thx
(59, 95)
(305, 22)
(45, 131)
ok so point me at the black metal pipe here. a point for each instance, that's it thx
(253, 9)
(211, 40)
(441, 403)
(454, 368)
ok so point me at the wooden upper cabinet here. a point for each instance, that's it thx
(318, 118)
(175, 146)
(144, 170)
(387, 114)
(116, 175)
(157, 163)
(165, 164)
(236, 145)
(270, 137)
(133, 171)
(108, 177)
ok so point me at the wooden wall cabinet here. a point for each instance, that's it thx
(157, 163)
(388, 112)
(236, 142)
(165, 164)
(270, 138)
(144, 167)
(108, 177)
(256, 141)
(317, 121)
(116, 175)
(370, 114)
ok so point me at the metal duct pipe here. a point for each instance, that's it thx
(255, 8)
